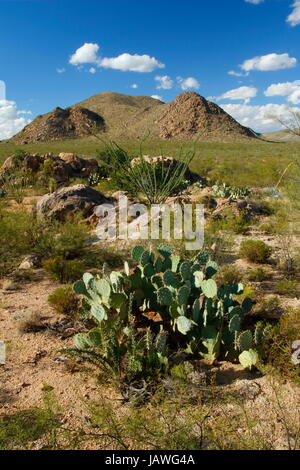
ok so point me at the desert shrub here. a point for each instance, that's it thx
(281, 353)
(229, 221)
(16, 237)
(22, 429)
(21, 233)
(255, 251)
(65, 301)
(63, 270)
(29, 322)
(269, 305)
(156, 181)
(208, 201)
(18, 157)
(287, 287)
(230, 274)
(55, 238)
(258, 275)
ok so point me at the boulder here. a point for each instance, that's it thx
(69, 200)
(167, 162)
(61, 168)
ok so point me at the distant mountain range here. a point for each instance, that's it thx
(188, 116)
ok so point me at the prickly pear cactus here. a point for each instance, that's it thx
(195, 313)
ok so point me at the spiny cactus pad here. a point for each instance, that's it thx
(137, 253)
(165, 250)
(164, 296)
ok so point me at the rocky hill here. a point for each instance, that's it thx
(189, 116)
(60, 124)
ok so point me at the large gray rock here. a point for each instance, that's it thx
(69, 200)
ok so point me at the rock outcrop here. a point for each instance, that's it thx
(61, 168)
(69, 200)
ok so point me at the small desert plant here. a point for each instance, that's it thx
(63, 270)
(287, 287)
(225, 191)
(280, 352)
(65, 301)
(255, 251)
(258, 275)
(29, 322)
(230, 274)
(155, 180)
(269, 305)
(60, 239)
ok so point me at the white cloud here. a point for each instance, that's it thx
(289, 89)
(62, 70)
(2, 90)
(254, 2)
(134, 86)
(294, 18)
(86, 54)
(236, 74)
(92, 70)
(187, 83)
(164, 82)
(157, 97)
(294, 97)
(269, 62)
(281, 89)
(132, 63)
(243, 93)
(258, 117)
(11, 120)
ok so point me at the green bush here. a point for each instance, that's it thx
(255, 251)
(288, 288)
(21, 233)
(16, 238)
(280, 351)
(63, 270)
(269, 305)
(258, 275)
(60, 239)
(230, 274)
(65, 301)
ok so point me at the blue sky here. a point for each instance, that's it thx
(58, 52)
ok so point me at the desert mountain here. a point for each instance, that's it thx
(60, 124)
(187, 117)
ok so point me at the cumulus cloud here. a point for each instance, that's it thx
(269, 62)
(134, 86)
(92, 70)
(294, 18)
(88, 54)
(2, 90)
(243, 93)
(132, 63)
(289, 89)
(188, 83)
(164, 82)
(157, 97)
(11, 120)
(60, 70)
(259, 118)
